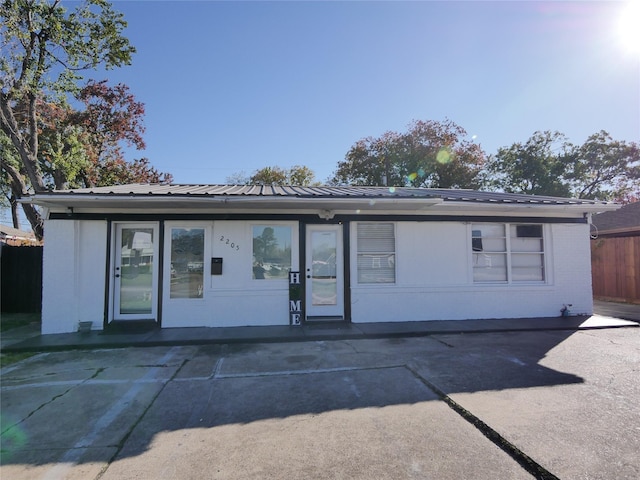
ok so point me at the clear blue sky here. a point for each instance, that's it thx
(237, 86)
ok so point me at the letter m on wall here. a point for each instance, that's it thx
(295, 305)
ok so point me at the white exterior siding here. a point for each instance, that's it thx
(434, 279)
(73, 283)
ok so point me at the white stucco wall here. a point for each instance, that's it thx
(435, 281)
(73, 274)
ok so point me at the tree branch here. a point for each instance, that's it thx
(29, 159)
(19, 189)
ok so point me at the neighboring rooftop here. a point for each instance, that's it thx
(14, 236)
(624, 220)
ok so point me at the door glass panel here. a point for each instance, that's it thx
(324, 285)
(136, 271)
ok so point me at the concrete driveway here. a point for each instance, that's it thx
(546, 404)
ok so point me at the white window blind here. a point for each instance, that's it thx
(376, 253)
(507, 253)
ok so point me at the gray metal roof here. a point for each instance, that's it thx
(322, 192)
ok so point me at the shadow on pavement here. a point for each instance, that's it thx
(217, 385)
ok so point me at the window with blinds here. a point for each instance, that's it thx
(507, 253)
(376, 253)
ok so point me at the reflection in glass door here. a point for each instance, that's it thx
(324, 272)
(135, 272)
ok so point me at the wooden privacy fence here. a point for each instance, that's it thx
(21, 279)
(615, 268)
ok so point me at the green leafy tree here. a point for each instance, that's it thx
(604, 169)
(297, 175)
(430, 154)
(7, 197)
(269, 176)
(62, 147)
(301, 176)
(536, 167)
(548, 164)
(45, 50)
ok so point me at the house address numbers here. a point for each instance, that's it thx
(227, 241)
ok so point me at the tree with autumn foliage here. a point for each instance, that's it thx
(430, 154)
(298, 175)
(47, 144)
(113, 116)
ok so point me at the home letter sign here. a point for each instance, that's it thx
(295, 298)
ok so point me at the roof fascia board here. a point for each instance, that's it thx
(389, 214)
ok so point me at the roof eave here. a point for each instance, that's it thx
(220, 201)
(61, 201)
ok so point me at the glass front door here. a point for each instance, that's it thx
(135, 272)
(324, 273)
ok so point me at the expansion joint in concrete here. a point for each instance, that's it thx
(126, 436)
(524, 460)
(51, 400)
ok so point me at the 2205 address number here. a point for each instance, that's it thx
(227, 241)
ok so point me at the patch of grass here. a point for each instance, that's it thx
(15, 320)
(10, 321)
(9, 358)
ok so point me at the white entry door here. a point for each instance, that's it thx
(135, 272)
(324, 298)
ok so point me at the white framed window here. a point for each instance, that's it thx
(507, 253)
(376, 253)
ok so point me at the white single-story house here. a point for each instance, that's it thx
(223, 255)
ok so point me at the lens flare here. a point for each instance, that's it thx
(444, 156)
(14, 438)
